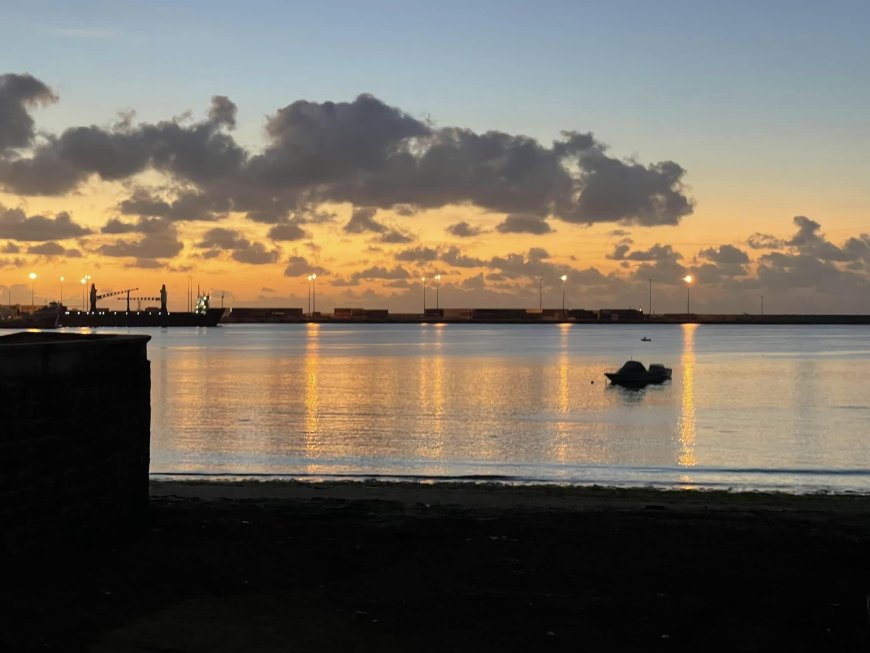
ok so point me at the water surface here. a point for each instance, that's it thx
(771, 407)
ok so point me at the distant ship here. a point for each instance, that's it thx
(102, 318)
(202, 314)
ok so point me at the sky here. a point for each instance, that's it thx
(241, 147)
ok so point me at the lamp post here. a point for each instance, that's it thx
(564, 278)
(312, 278)
(423, 279)
(61, 291)
(762, 304)
(650, 297)
(32, 277)
(541, 293)
(688, 279)
(437, 290)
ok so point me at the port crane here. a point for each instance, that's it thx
(138, 300)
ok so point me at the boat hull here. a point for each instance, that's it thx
(141, 319)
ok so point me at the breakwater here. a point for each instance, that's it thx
(75, 436)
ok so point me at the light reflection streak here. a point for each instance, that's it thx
(687, 404)
(431, 398)
(560, 448)
(313, 444)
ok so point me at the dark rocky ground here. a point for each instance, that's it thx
(432, 568)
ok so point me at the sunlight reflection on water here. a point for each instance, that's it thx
(748, 406)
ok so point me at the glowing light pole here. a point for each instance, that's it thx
(437, 289)
(423, 279)
(564, 278)
(61, 290)
(688, 279)
(32, 277)
(312, 278)
(650, 296)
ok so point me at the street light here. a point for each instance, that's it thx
(437, 289)
(564, 278)
(61, 291)
(541, 293)
(312, 294)
(423, 279)
(688, 279)
(32, 277)
(650, 297)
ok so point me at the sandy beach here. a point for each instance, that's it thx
(462, 567)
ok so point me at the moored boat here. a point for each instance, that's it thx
(635, 375)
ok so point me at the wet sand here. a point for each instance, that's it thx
(265, 567)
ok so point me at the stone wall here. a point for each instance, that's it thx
(75, 417)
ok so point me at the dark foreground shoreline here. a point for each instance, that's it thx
(267, 567)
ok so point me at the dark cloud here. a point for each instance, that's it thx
(657, 252)
(765, 241)
(524, 224)
(394, 237)
(417, 255)
(117, 226)
(378, 272)
(186, 206)
(223, 112)
(363, 152)
(146, 263)
(809, 240)
(611, 190)
(52, 249)
(159, 240)
(10, 248)
(724, 255)
(298, 266)
(463, 230)
(363, 221)
(16, 225)
(199, 153)
(240, 248)
(287, 231)
(17, 94)
(454, 256)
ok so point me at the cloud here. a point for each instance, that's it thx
(364, 152)
(298, 266)
(52, 249)
(10, 248)
(199, 153)
(454, 256)
(15, 224)
(287, 231)
(187, 206)
(765, 241)
(417, 255)
(240, 248)
(463, 230)
(724, 255)
(523, 224)
(160, 240)
(378, 272)
(810, 241)
(394, 236)
(17, 94)
(657, 252)
(362, 221)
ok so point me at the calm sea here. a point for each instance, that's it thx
(766, 407)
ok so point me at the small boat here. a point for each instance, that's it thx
(645, 339)
(634, 375)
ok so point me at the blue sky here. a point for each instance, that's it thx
(765, 104)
